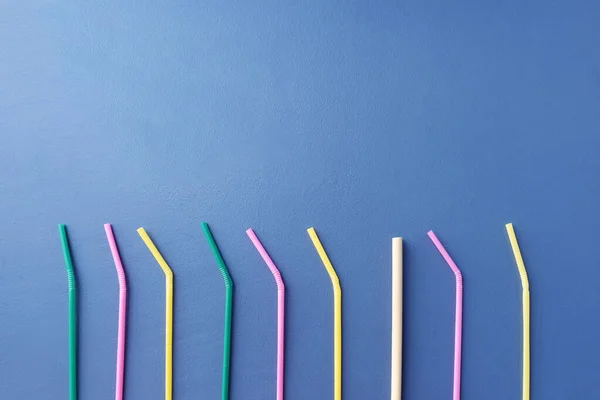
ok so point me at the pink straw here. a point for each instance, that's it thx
(458, 313)
(122, 311)
(280, 308)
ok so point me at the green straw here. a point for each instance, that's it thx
(72, 313)
(228, 306)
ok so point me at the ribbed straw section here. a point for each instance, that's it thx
(71, 280)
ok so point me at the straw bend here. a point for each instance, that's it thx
(159, 258)
(335, 281)
(220, 261)
(458, 314)
(267, 259)
(518, 256)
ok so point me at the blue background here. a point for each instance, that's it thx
(366, 121)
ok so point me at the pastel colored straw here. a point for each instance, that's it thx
(458, 314)
(526, 309)
(168, 312)
(228, 310)
(120, 368)
(396, 390)
(72, 312)
(337, 315)
(280, 309)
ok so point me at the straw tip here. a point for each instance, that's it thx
(509, 225)
(107, 225)
(141, 230)
(310, 230)
(249, 231)
(62, 229)
(397, 239)
(430, 233)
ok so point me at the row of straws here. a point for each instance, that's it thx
(396, 346)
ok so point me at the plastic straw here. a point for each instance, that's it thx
(120, 368)
(458, 314)
(228, 310)
(337, 314)
(526, 309)
(396, 374)
(280, 308)
(168, 312)
(72, 312)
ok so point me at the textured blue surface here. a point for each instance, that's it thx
(364, 121)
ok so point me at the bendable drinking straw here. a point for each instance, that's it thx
(72, 312)
(280, 308)
(458, 313)
(228, 309)
(122, 311)
(337, 314)
(526, 308)
(396, 318)
(168, 312)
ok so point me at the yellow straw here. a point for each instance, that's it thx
(337, 315)
(168, 313)
(526, 306)
(396, 389)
